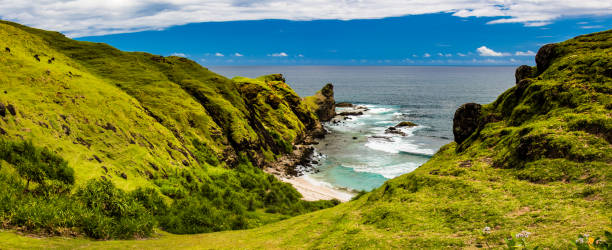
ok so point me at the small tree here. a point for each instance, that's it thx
(35, 164)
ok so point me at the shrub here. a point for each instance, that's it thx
(35, 164)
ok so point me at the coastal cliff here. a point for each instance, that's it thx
(132, 121)
(534, 166)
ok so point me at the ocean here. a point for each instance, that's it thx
(358, 154)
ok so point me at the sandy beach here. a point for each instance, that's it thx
(312, 191)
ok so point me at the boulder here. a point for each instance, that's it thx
(523, 72)
(393, 130)
(11, 109)
(406, 124)
(545, 56)
(350, 113)
(466, 121)
(344, 105)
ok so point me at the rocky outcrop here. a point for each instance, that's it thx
(327, 105)
(545, 56)
(323, 103)
(394, 130)
(350, 113)
(406, 124)
(11, 109)
(344, 105)
(523, 72)
(466, 121)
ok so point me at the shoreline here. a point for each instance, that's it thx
(293, 168)
(312, 192)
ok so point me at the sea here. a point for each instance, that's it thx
(358, 154)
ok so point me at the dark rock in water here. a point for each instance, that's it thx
(11, 109)
(545, 56)
(344, 105)
(406, 124)
(351, 113)
(393, 130)
(466, 121)
(354, 137)
(124, 176)
(523, 72)
(2, 110)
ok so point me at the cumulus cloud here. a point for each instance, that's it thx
(238, 54)
(426, 55)
(93, 17)
(281, 54)
(219, 54)
(484, 51)
(525, 53)
(178, 54)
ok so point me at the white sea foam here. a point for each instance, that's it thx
(395, 145)
(388, 172)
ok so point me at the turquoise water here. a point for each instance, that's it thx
(358, 154)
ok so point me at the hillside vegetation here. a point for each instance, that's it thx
(113, 144)
(538, 159)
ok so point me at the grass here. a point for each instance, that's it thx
(146, 122)
(540, 161)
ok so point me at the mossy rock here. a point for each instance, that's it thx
(406, 124)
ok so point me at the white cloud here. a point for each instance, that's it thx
(219, 54)
(426, 55)
(238, 54)
(484, 51)
(591, 27)
(178, 54)
(300, 55)
(461, 54)
(93, 17)
(525, 53)
(281, 54)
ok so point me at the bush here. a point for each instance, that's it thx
(35, 164)
(116, 214)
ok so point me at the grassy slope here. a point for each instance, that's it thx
(543, 165)
(156, 120)
(156, 107)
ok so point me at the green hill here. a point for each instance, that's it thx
(163, 128)
(537, 159)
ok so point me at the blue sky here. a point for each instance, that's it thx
(429, 39)
(322, 32)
